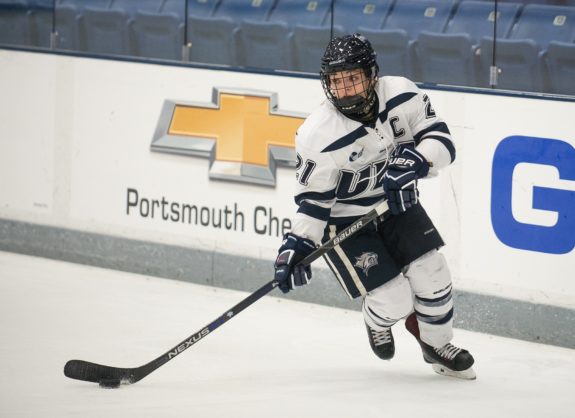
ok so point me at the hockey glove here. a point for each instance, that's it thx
(287, 271)
(406, 165)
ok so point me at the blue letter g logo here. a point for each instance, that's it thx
(525, 214)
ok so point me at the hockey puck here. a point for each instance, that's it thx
(110, 383)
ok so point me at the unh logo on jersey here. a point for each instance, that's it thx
(355, 155)
(366, 261)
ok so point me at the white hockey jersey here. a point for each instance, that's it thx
(341, 162)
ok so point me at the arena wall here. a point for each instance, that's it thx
(94, 169)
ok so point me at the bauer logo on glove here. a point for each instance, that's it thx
(400, 180)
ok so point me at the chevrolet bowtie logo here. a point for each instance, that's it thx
(242, 132)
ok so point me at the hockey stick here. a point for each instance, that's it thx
(112, 377)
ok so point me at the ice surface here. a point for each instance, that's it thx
(278, 358)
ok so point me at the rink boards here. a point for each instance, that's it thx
(188, 173)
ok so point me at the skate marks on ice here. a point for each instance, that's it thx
(279, 358)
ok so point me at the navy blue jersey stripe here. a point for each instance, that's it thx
(346, 140)
(428, 133)
(319, 196)
(393, 103)
(435, 137)
(406, 143)
(447, 143)
(314, 211)
(439, 127)
(364, 201)
(341, 271)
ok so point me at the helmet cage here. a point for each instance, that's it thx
(348, 53)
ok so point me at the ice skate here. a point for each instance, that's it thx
(381, 342)
(448, 360)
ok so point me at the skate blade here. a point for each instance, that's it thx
(468, 374)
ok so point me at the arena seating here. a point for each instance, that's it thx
(450, 57)
(15, 25)
(434, 41)
(560, 63)
(214, 38)
(309, 41)
(159, 32)
(269, 42)
(40, 13)
(100, 26)
(521, 55)
(70, 16)
(395, 42)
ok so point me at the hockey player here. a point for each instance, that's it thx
(372, 140)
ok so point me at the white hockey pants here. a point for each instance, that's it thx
(423, 286)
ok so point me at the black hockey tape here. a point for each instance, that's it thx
(110, 383)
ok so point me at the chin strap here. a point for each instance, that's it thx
(368, 115)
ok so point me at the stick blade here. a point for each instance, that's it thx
(97, 373)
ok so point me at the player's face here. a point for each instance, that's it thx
(348, 83)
